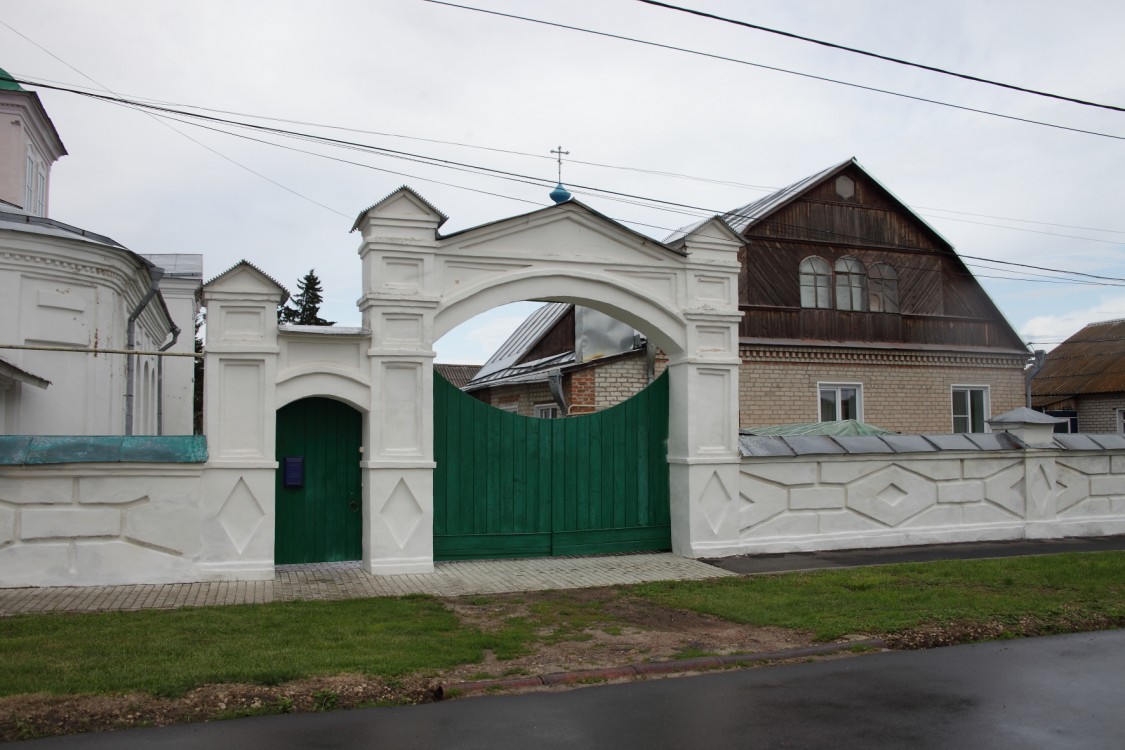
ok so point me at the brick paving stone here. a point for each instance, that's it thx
(330, 581)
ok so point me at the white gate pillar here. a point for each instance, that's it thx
(398, 304)
(703, 454)
(240, 418)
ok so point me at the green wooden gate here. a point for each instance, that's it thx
(318, 515)
(512, 486)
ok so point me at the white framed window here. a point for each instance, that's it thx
(1121, 421)
(882, 289)
(29, 182)
(816, 283)
(970, 408)
(851, 284)
(547, 411)
(41, 193)
(512, 407)
(838, 401)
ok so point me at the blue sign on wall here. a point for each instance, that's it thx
(294, 474)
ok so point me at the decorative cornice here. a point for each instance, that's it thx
(899, 357)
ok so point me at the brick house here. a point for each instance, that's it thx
(853, 308)
(594, 361)
(1083, 380)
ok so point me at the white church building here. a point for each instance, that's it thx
(70, 297)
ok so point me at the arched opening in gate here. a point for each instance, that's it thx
(568, 468)
(318, 511)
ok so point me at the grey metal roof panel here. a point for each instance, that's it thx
(526, 372)
(863, 444)
(741, 218)
(180, 265)
(1076, 442)
(909, 444)
(523, 339)
(324, 330)
(951, 442)
(20, 221)
(987, 441)
(1109, 442)
(763, 445)
(804, 445)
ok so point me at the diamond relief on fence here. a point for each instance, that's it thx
(1072, 487)
(714, 502)
(402, 513)
(240, 515)
(7, 525)
(891, 496)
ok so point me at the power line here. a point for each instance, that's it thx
(501, 174)
(878, 56)
(173, 129)
(640, 170)
(779, 70)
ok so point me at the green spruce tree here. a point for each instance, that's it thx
(304, 309)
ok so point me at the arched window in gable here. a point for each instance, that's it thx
(851, 284)
(882, 288)
(816, 283)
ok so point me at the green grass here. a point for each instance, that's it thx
(169, 652)
(1057, 589)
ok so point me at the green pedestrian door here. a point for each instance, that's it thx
(512, 486)
(318, 515)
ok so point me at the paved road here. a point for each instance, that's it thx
(1059, 692)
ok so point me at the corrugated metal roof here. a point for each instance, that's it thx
(742, 218)
(457, 375)
(502, 363)
(1090, 361)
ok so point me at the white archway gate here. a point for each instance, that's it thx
(417, 286)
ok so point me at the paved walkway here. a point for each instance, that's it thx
(349, 581)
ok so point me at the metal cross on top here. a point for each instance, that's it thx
(561, 154)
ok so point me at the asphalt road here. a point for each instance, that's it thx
(1058, 692)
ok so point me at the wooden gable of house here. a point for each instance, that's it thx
(844, 212)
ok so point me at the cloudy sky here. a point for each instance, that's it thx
(500, 93)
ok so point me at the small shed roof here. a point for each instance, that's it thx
(457, 375)
(1090, 361)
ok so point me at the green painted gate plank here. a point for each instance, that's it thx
(512, 486)
(321, 520)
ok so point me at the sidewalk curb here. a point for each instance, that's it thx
(645, 669)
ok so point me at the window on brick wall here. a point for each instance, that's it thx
(1121, 420)
(840, 401)
(547, 411)
(970, 408)
(512, 407)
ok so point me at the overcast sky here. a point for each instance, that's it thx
(401, 68)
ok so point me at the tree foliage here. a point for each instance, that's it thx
(304, 309)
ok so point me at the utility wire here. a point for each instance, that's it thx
(779, 70)
(170, 127)
(640, 170)
(878, 56)
(644, 201)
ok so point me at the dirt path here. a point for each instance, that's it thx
(606, 630)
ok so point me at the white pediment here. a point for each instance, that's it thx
(244, 278)
(568, 234)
